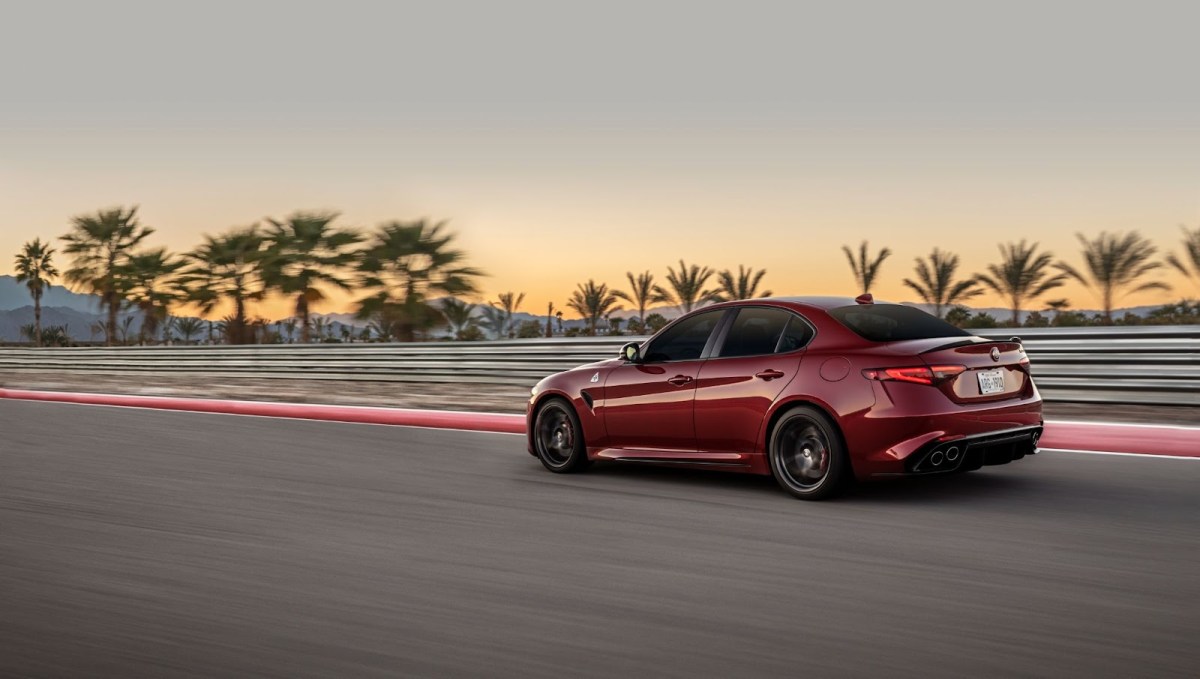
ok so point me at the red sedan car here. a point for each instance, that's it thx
(816, 391)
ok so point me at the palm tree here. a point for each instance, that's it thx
(56, 336)
(1022, 275)
(865, 268)
(147, 279)
(261, 332)
(509, 303)
(381, 325)
(493, 319)
(404, 266)
(125, 328)
(322, 327)
(550, 319)
(288, 327)
(35, 268)
(594, 302)
(223, 327)
(100, 246)
(227, 267)
(1057, 306)
(50, 336)
(642, 292)
(304, 254)
(189, 327)
(936, 284)
(743, 286)
(1114, 265)
(459, 314)
(687, 286)
(1189, 263)
(168, 329)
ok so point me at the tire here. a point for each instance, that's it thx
(558, 437)
(807, 455)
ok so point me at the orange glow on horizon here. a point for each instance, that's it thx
(541, 210)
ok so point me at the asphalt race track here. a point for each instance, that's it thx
(153, 543)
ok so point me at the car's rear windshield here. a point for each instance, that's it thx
(893, 323)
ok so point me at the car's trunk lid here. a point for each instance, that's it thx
(995, 369)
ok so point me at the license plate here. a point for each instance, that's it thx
(991, 381)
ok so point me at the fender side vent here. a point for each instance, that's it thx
(587, 398)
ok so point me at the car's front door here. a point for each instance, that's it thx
(648, 405)
(758, 356)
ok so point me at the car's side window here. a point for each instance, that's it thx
(755, 331)
(684, 340)
(795, 335)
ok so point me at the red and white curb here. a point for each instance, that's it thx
(436, 419)
(1096, 437)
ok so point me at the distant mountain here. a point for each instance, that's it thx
(78, 323)
(343, 319)
(14, 295)
(1003, 315)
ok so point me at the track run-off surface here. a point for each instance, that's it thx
(154, 543)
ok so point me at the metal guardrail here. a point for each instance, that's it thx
(1138, 364)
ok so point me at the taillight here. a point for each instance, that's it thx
(917, 375)
(1023, 364)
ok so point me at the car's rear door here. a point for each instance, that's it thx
(647, 405)
(758, 355)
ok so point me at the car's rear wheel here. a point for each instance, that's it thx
(558, 438)
(807, 455)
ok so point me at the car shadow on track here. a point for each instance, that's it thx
(970, 487)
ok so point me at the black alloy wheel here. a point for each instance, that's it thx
(558, 438)
(807, 455)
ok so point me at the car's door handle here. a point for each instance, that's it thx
(768, 374)
(680, 380)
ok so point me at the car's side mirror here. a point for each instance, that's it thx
(631, 352)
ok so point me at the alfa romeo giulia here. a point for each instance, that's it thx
(815, 391)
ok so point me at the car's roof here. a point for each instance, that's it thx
(823, 303)
(817, 301)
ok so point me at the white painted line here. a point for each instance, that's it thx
(1094, 423)
(1107, 452)
(275, 417)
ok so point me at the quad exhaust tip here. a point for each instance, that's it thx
(950, 455)
(942, 458)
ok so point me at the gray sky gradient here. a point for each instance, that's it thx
(1071, 63)
(548, 129)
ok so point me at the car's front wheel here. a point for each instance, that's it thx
(558, 438)
(807, 455)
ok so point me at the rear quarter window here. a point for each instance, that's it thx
(893, 323)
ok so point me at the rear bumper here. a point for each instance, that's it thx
(900, 435)
(971, 452)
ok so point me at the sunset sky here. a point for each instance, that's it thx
(571, 143)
